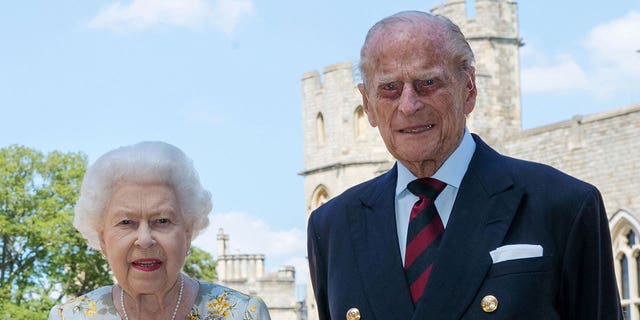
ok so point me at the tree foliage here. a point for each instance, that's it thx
(42, 257)
(200, 265)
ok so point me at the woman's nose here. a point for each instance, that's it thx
(145, 237)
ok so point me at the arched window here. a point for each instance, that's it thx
(360, 122)
(319, 197)
(626, 249)
(624, 274)
(320, 129)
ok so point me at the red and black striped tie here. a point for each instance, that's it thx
(424, 234)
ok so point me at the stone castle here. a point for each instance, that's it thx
(341, 149)
(245, 272)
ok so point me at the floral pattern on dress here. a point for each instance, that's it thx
(87, 306)
(224, 303)
(214, 302)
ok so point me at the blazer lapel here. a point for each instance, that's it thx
(485, 205)
(375, 246)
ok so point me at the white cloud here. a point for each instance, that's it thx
(616, 42)
(249, 234)
(140, 15)
(229, 12)
(563, 76)
(613, 48)
(615, 63)
(533, 55)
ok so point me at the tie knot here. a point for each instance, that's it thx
(426, 187)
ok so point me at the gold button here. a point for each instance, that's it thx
(489, 303)
(353, 314)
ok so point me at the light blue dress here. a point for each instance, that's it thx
(214, 302)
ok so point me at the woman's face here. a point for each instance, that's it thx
(145, 237)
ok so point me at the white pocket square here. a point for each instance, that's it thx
(516, 251)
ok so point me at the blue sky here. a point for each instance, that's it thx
(221, 80)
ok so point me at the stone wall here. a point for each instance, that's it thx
(602, 149)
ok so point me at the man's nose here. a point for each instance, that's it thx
(409, 100)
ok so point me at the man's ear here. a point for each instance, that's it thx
(365, 105)
(472, 91)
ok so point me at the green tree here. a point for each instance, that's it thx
(200, 265)
(42, 257)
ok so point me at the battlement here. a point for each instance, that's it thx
(493, 18)
(336, 76)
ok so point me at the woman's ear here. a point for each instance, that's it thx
(103, 247)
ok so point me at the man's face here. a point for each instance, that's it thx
(416, 96)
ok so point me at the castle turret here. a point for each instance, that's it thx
(223, 241)
(493, 36)
(245, 272)
(340, 147)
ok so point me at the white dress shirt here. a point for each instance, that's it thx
(451, 172)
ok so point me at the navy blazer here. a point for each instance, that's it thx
(355, 261)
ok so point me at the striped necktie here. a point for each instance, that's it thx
(424, 234)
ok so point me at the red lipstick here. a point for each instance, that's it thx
(147, 265)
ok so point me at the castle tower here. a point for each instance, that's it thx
(493, 36)
(245, 272)
(223, 242)
(341, 149)
(237, 267)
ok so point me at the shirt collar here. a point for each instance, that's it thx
(452, 170)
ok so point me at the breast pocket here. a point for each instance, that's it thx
(521, 266)
(523, 289)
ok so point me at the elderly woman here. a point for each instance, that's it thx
(141, 206)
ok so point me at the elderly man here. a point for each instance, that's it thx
(454, 230)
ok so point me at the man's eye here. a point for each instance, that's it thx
(163, 221)
(390, 90)
(424, 86)
(125, 222)
(390, 86)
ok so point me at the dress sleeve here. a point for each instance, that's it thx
(257, 310)
(55, 313)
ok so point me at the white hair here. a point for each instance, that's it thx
(456, 45)
(145, 162)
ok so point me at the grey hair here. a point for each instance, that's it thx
(145, 162)
(456, 43)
